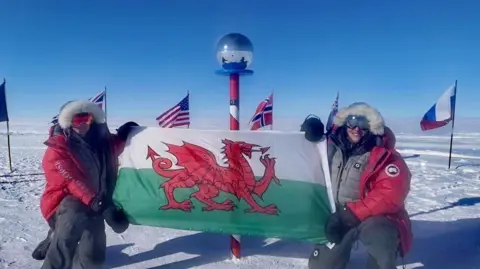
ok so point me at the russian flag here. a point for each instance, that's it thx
(442, 112)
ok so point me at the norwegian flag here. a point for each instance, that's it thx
(263, 115)
(98, 99)
(179, 115)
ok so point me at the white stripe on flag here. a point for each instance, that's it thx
(443, 106)
(296, 158)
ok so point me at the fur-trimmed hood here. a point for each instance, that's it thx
(80, 106)
(376, 121)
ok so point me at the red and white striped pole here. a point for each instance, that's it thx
(234, 54)
(234, 102)
(235, 125)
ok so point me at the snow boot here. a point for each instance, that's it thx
(40, 251)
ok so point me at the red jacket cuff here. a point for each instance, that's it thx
(357, 208)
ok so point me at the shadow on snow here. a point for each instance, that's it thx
(446, 245)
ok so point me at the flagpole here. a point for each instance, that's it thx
(8, 129)
(227, 44)
(105, 104)
(188, 94)
(235, 239)
(453, 125)
(9, 148)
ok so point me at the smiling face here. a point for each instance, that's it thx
(355, 134)
(357, 127)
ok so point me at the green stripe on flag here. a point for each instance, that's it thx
(303, 207)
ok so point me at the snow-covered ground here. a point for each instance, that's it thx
(442, 202)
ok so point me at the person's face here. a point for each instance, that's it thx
(357, 127)
(81, 123)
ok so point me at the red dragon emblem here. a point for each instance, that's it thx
(201, 169)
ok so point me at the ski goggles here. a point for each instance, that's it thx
(353, 121)
(82, 118)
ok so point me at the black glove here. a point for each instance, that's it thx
(124, 130)
(97, 204)
(349, 219)
(339, 223)
(334, 230)
(313, 128)
(116, 219)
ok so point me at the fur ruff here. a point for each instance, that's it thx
(375, 119)
(66, 115)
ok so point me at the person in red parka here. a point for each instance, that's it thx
(80, 166)
(370, 182)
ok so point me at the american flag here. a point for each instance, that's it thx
(332, 113)
(98, 99)
(179, 115)
(263, 114)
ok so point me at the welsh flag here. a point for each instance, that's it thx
(269, 184)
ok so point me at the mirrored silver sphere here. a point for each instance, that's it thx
(234, 52)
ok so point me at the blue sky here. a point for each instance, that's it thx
(397, 55)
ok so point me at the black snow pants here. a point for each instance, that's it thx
(79, 239)
(379, 236)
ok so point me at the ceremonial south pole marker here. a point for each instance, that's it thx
(234, 54)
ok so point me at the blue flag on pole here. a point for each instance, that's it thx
(3, 104)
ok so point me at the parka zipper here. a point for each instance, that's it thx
(380, 161)
(339, 176)
(341, 167)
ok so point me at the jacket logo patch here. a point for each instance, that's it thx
(357, 165)
(392, 170)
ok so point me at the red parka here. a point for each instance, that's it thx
(64, 175)
(384, 186)
(385, 182)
